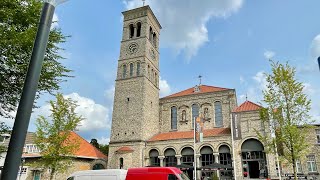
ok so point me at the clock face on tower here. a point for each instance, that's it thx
(132, 48)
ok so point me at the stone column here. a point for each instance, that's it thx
(178, 159)
(198, 165)
(146, 161)
(216, 159)
(161, 160)
(134, 31)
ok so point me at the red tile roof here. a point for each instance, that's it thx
(85, 150)
(203, 89)
(189, 134)
(247, 106)
(124, 149)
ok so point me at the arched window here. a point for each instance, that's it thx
(138, 68)
(224, 155)
(218, 114)
(195, 113)
(173, 117)
(225, 159)
(150, 34)
(124, 71)
(154, 160)
(187, 156)
(206, 156)
(131, 69)
(154, 38)
(131, 28)
(138, 29)
(155, 78)
(252, 151)
(121, 163)
(170, 159)
(98, 166)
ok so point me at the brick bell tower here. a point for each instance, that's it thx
(135, 116)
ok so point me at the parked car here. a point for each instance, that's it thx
(154, 173)
(103, 174)
(144, 173)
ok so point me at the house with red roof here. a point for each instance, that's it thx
(86, 157)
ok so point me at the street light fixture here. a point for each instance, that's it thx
(21, 123)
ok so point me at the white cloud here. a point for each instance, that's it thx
(164, 87)
(55, 21)
(260, 79)
(308, 89)
(96, 116)
(269, 54)
(109, 94)
(187, 31)
(103, 140)
(315, 47)
(242, 80)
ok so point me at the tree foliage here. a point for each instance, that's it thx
(3, 130)
(18, 25)
(52, 136)
(95, 143)
(104, 148)
(286, 113)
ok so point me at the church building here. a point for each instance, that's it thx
(152, 131)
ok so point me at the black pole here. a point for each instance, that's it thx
(319, 62)
(21, 123)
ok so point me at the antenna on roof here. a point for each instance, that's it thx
(199, 79)
(143, 1)
(246, 97)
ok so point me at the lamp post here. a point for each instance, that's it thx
(21, 123)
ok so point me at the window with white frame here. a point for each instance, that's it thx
(31, 148)
(311, 163)
(318, 135)
(298, 166)
(22, 170)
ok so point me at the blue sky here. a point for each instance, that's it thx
(227, 42)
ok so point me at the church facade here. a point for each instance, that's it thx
(151, 131)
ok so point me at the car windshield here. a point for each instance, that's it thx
(183, 176)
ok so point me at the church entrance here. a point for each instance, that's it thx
(253, 169)
(253, 159)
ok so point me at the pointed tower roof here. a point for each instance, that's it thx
(202, 89)
(247, 106)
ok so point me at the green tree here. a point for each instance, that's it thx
(3, 130)
(95, 143)
(52, 136)
(286, 113)
(104, 148)
(18, 25)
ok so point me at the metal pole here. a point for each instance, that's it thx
(21, 123)
(319, 62)
(194, 151)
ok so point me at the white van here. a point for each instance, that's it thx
(104, 174)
